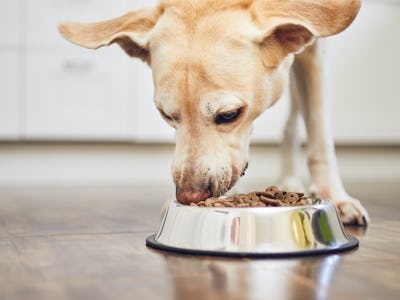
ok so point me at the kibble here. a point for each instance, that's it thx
(272, 196)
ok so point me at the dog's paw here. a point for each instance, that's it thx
(351, 212)
(292, 184)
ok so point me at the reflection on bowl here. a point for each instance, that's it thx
(266, 231)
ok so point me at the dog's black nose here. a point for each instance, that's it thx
(187, 196)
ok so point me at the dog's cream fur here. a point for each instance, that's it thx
(218, 65)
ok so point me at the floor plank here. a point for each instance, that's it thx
(89, 243)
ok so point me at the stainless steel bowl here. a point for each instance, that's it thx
(264, 232)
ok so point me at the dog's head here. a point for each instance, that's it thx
(217, 65)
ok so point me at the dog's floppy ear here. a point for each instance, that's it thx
(290, 25)
(130, 31)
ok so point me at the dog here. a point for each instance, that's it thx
(217, 66)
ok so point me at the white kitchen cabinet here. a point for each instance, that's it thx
(10, 70)
(10, 22)
(365, 68)
(77, 96)
(75, 93)
(10, 110)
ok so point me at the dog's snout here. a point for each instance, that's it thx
(187, 196)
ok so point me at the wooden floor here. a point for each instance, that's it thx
(89, 243)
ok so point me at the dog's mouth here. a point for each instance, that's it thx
(244, 170)
(235, 178)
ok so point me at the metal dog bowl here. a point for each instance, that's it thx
(254, 232)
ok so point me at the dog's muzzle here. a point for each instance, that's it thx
(188, 194)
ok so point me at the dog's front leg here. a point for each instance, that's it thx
(308, 74)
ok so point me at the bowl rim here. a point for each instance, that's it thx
(351, 244)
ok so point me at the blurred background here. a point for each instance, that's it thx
(71, 116)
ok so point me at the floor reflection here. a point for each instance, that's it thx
(317, 274)
(199, 277)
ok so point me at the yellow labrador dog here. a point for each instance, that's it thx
(217, 65)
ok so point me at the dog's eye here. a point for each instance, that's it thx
(228, 117)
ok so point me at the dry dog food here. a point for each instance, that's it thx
(272, 196)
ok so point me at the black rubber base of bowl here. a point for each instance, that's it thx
(353, 243)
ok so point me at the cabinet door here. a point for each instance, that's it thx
(10, 29)
(73, 93)
(78, 96)
(10, 38)
(365, 74)
(9, 96)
